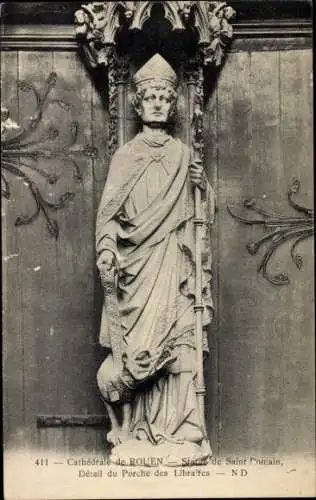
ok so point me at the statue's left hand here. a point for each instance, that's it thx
(197, 174)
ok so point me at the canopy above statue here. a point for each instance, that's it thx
(98, 25)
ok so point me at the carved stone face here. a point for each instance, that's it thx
(186, 9)
(155, 105)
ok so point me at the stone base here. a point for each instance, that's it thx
(137, 452)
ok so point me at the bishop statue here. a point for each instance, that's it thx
(145, 242)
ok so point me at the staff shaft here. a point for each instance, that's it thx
(198, 307)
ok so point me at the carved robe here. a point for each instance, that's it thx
(146, 219)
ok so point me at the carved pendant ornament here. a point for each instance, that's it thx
(20, 159)
(280, 228)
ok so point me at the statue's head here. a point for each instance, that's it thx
(156, 95)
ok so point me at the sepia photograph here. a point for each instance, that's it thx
(157, 249)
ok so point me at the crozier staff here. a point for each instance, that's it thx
(145, 232)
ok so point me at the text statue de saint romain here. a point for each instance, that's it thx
(154, 258)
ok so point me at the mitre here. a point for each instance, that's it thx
(155, 69)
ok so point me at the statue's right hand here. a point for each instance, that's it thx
(106, 260)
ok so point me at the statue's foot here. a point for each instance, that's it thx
(113, 436)
(118, 436)
(125, 435)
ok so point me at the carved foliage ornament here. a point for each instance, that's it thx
(98, 22)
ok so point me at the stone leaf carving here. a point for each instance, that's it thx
(97, 24)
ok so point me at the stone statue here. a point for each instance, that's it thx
(145, 242)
